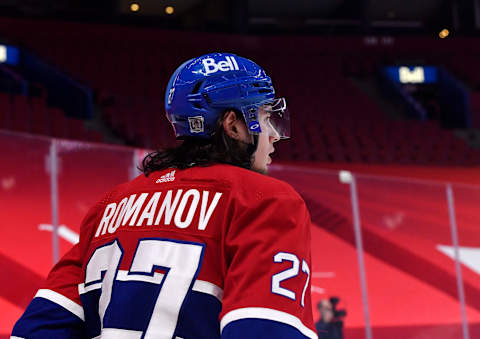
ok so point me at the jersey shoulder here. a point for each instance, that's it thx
(237, 180)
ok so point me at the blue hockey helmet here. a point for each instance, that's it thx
(201, 89)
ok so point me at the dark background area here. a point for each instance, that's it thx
(266, 16)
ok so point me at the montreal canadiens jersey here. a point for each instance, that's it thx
(205, 252)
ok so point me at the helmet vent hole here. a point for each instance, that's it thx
(207, 98)
(197, 86)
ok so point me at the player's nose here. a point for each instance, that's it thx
(274, 139)
(273, 134)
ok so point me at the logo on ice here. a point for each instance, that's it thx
(230, 64)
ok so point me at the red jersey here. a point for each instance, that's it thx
(205, 252)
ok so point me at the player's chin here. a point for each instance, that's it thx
(263, 169)
(262, 166)
(267, 164)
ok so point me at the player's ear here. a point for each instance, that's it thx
(233, 125)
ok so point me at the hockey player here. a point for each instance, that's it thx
(201, 245)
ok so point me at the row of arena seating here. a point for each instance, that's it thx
(332, 119)
(401, 142)
(140, 122)
(32, 115)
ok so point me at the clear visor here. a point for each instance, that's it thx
(272, 116)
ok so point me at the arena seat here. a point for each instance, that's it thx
(20, 114)
(4, 111)
(333, 119)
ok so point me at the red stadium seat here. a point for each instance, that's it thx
(5, 111)
(40, 118)
(58, 124)
(75, 129)
(94, 136)
(20, 114)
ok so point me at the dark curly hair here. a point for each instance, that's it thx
(220, 148)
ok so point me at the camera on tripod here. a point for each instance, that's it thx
(330, 325)
(337, 314)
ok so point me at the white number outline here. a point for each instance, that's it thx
(136, 269)
(289, 273)
(305, 269)
(285, 275)
(105, 283)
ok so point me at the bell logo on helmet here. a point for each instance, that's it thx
(230, 64)
(196, 124)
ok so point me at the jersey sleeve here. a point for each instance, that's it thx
(267, 279)
(56, 310)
